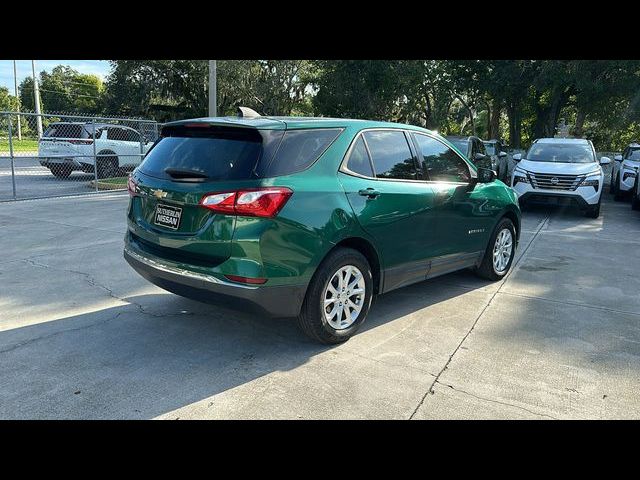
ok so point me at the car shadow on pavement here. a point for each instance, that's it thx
(159, 353)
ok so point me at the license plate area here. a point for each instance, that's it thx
(167, 216)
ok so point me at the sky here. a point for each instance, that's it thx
(97, 67)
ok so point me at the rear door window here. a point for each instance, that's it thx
(298, 150)
(358, 161)
(131, 135)
(390, 154)
(115, 133)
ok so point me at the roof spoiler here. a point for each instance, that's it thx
(245, 112)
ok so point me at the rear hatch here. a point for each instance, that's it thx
(190, 161)
(63, 139)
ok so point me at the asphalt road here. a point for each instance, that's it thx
(33, 180)
(83, 336)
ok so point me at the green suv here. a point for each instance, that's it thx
(312, 217)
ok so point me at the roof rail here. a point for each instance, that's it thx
(246, 112)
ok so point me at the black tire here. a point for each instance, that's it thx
(594, 212)
(61, 171)
(612, 185)
(486, 269)
(635, 201)
(108, 166)
(619, 195)
(312, 319)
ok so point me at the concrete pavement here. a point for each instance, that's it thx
(83, 336)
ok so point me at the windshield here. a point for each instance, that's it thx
(560, 153)
(460, 144)
(491, 148)
(634, 155)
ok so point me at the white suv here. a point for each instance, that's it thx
(68, 146)
(623, 174)
(556, 169)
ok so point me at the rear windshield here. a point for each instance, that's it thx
(228, 153)
(215, 153)
(67, 130)
(561, 153)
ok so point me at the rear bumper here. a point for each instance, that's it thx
(274, 301)
(59, 161)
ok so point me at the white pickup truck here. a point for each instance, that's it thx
(68, 146)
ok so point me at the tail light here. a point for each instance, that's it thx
(132, 187)
(80, 142)
(255, 202)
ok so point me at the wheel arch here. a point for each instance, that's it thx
(107, 151)
(366, 248)
(515, 218)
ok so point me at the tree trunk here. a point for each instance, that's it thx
(540, 122)
(559, 99)
(494, 120)
(471, 118)
(580, 118)
(515, 125)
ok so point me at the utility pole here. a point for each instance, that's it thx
(15, 86)
(213, 73)
(36, 94)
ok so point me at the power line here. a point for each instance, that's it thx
(61, 93)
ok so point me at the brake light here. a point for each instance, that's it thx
(80, 142)
(255, 202)
(132, 187)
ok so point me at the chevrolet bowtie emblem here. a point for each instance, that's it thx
(159, 193)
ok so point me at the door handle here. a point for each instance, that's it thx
(369, 192)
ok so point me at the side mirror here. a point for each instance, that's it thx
(486, 175)
(502, 154)
(605, 161)
(618, 158)
(479, 156)
(517, 157)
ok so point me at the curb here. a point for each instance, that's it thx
(107, 185)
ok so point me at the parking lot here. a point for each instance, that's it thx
(33, 180)
(83, 336)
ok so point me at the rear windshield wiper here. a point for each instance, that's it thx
(185, 174)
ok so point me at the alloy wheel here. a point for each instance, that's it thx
(344, 297)
(502, 250)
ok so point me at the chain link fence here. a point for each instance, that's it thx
(57, 154)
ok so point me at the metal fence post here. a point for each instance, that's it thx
(13, 170)
(95, 156)
(142, 139)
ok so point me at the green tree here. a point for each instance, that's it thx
(8, 102)
(64, 90)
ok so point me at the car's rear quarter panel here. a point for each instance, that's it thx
(287, 249)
